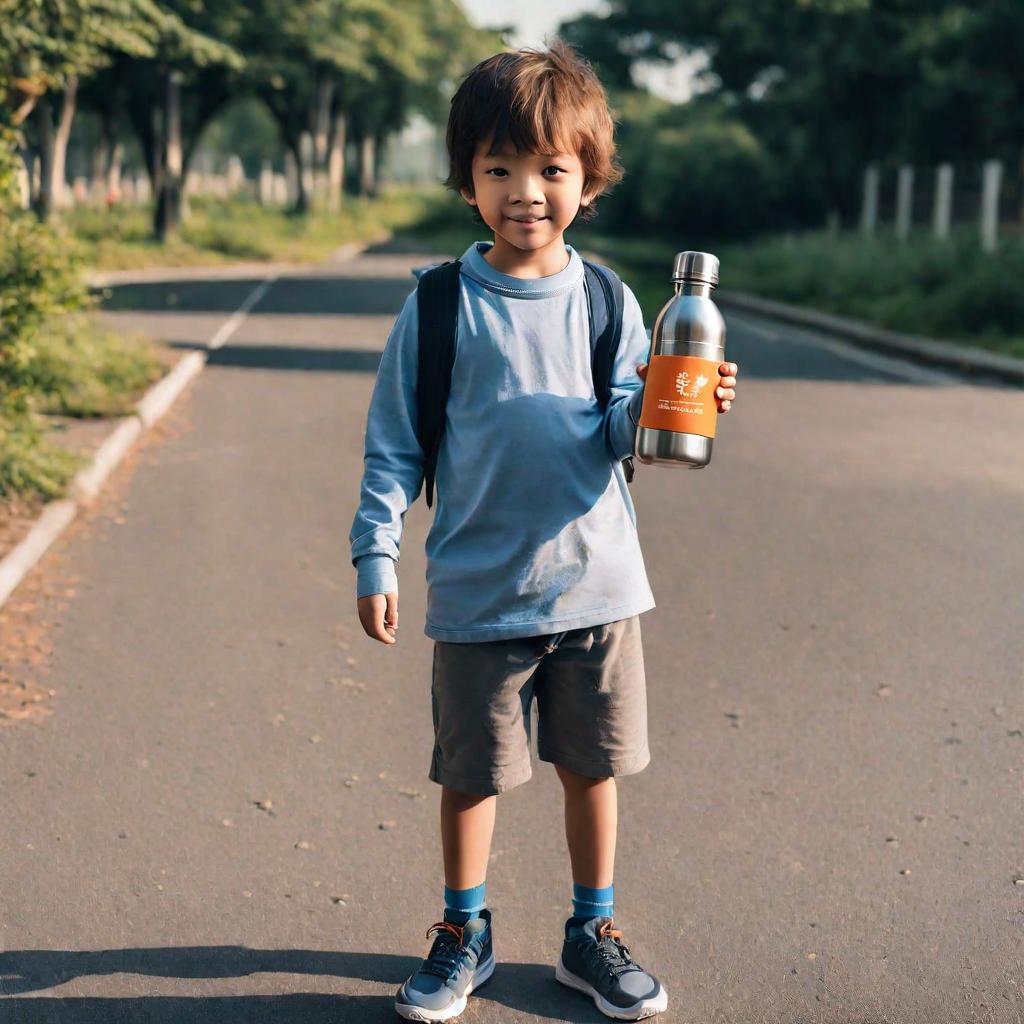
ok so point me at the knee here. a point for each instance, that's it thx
(575, 781)
(463, 801)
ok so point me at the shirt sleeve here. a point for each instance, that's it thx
(627, 390)
(392, 461)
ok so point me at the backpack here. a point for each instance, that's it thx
(437, 302)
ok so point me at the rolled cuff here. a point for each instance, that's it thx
(375, 574)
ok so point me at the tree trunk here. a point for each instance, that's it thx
(116, 156)
(336, 160)
(1020, 194)
(379, 153)
(60, 141)
(107, 157)
(42, 201)
(294, 143)
(321, 133)
(367, 178)
(167, 216)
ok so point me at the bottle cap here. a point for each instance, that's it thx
(695, 266)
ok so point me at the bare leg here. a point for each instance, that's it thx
(591, 818)
(467, 824)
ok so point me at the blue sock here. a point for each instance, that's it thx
(462, 905)
(588, 902)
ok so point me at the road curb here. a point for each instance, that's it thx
(927, 350)
(57, 515)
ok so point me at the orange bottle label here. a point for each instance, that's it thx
(679, 395)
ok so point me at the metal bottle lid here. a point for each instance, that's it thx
(695, 266)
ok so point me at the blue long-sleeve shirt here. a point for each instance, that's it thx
(534, 528)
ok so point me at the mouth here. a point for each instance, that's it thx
(528, 220)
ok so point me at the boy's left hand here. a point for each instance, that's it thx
(724, 393)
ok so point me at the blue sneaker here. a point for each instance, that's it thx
(460, 960)
(595, 961)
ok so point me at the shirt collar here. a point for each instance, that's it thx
(474, 264)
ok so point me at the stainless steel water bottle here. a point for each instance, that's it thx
(679, 412)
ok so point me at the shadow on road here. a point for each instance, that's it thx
(288, 357)
(337, 295)
(526, 988)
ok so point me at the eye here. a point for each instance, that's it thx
(501, 172)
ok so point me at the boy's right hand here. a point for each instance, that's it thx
(378, 614)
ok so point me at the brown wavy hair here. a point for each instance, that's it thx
(545, 101)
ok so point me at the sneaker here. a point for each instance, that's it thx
(460, 960)
(595, 961)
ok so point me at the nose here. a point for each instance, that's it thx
(526, 188)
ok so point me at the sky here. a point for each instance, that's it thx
(533, 18)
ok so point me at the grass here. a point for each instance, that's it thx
(75, 368)
(226, 231)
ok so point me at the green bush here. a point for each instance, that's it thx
(30, 464)
(949, 289)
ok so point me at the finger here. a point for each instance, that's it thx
(727, 382)
(726, 406)
(725, 393)
(382, 633)
(391, 613)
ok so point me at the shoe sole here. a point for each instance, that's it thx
(422, 1013)
(638, 1011)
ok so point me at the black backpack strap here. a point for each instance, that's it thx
(605, 304)
(437, 304)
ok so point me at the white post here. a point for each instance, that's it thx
(869, 204)
(904, 201)
(943, 200)
(991, 180)
(291, 177)
(24, 185)
(306, 149)
(236, 174)
(35, 175)
(266, 188)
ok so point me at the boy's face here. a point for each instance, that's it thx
(513, 188)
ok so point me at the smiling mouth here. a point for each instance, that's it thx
(527, 220)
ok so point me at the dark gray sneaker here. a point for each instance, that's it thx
(460, 960)
(595, 961)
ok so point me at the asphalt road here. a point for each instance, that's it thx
(226, 817)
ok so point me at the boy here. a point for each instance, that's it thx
(535, 575)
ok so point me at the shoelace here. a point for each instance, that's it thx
(612, 953)
(444, 956)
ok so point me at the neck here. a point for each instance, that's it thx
(528, 263)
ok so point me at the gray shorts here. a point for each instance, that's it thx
(591, 706)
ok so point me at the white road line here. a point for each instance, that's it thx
(235, 320)
(874, 360)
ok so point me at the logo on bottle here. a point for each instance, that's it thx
(683, 384)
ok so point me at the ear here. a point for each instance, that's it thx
(468, 196)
